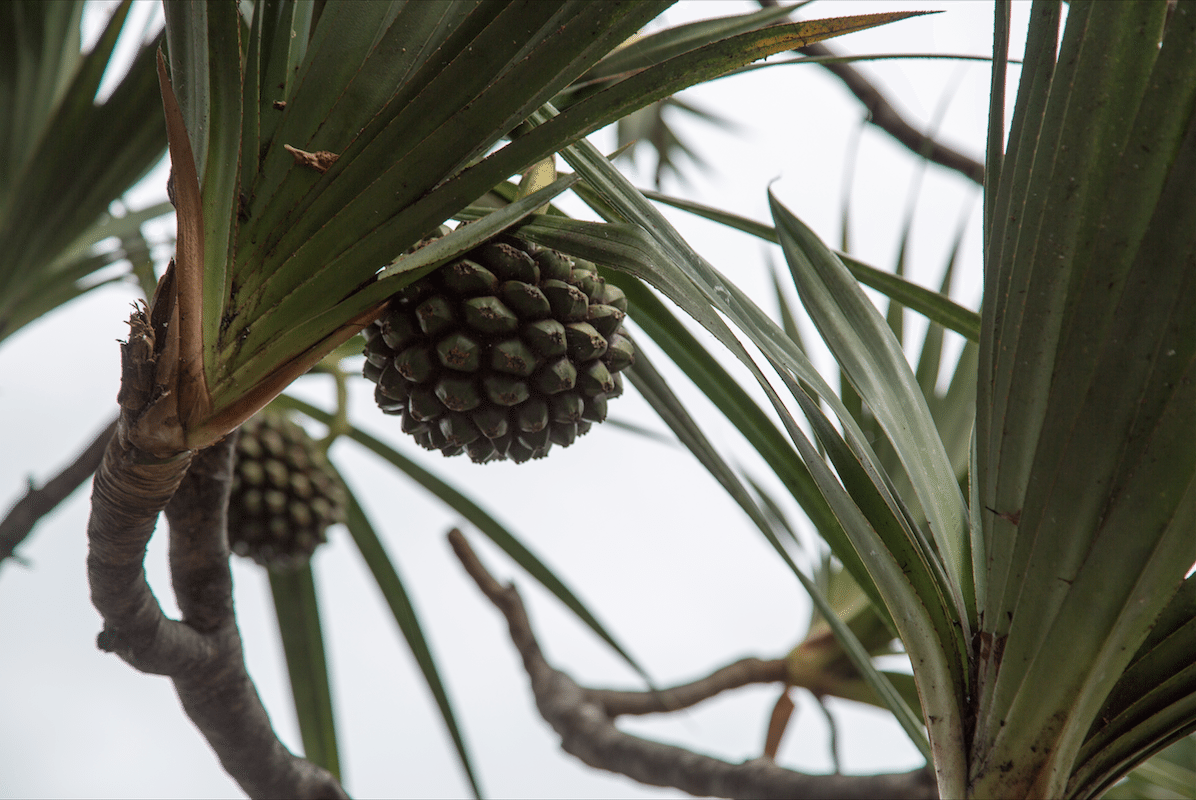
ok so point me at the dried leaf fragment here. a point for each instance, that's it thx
(320, 160)
(777, 724)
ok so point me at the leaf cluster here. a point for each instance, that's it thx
(1024, 533)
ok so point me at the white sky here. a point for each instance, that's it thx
(653, 544)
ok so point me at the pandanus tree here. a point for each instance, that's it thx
(1027, 535)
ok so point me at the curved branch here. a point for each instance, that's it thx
(202, 653)
(216, 691)
(741, 673)
(20, 520)
(587, 729)
(884, 115)
(129, 491)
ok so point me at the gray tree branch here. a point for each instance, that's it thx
(587, 730)
(20, 520)
(201, 653)
(215, 689)
(744, 672)
(884, 115)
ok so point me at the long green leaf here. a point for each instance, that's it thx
(271, 336)
(391, 585)
(1155, 727)
(930, 359)
(1161, 677)
(909, 581)
(205, 50)
(660, 46)
(1003, 205)
(648, 253)
(1169, 774)
(461, 108)
(40, 48)
(627, 248)
(659, 257)
(729, 397)
(298, 612)
(72, 272)
(995, 157)
(693, 66)
(932, 305)
(672, 265)
(389, 185)
(478, 231)
(1090, 370)
(1078, 124)
(864, 347)
(478, 517)
(655, 389)
(478, 69)
(893, 699)
(69, 157)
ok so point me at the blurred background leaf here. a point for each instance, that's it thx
(69, 154)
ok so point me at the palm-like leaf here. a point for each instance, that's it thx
(1095, 512)
(477, 516)
(667, 261)
(300, 173)
(650, 127)
(1082, 440)
(1047, 616)
(66, 158)
(1085, 431)
(257, 256)
(296, 606)
(1167, 776)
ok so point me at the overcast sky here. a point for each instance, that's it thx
(636, 527)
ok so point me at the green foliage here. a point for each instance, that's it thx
(64, 158)
(278, 156)
(1084, 430)
(1059, 544)
(1026, 533)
